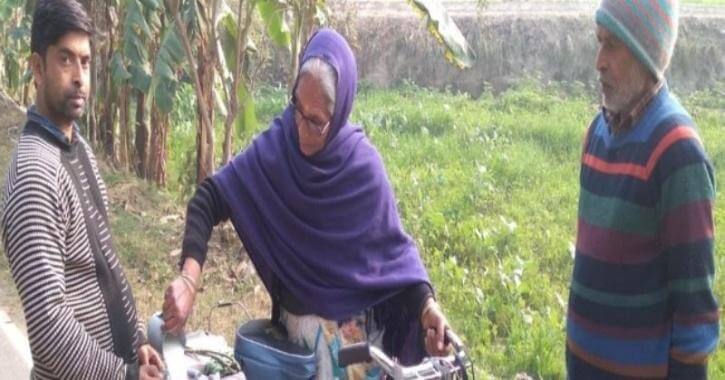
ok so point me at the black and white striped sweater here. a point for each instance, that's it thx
(78, 306)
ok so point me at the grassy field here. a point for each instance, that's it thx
(488, 188)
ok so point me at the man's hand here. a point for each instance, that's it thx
(435, 324)
(147, 355)
(150, 372)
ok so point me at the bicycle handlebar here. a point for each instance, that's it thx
(354, 353)
(454, 366)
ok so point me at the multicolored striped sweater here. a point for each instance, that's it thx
(641, 303)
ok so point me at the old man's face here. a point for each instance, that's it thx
(622, 77)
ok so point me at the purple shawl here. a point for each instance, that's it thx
(325, 226)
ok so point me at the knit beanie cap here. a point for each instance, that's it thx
(647, 27)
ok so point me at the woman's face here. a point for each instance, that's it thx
(312, 116)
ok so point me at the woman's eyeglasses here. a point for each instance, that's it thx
(318, 127)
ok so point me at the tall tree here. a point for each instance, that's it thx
(168, 62)
(234, 43)
(110, 97)
(201, 68)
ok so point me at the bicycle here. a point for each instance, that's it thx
(178, 353)
(457, 366)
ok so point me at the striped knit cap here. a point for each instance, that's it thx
(647, 27)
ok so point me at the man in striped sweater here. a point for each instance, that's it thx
(641, 303)
(78, 306)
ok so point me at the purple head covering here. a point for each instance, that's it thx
(325, 226)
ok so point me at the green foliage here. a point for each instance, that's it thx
(273, 16)
(152, 67)
(246, 121)
(270, 103)
(152, 5)
(228, 36)
(119, 74)
(165, 79)
(182, 143)
(136, 33)
(446, 32)
(14, 45)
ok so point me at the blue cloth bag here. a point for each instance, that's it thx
(263, 351)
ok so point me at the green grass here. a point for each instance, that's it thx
(488, 188)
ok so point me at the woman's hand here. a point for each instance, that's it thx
(179, 297)
(434, 324)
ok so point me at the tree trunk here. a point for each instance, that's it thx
(125, 136)
(296, 47)
(142, 137)
(205, 136)
(91, 116)
(107, 119)
(109, 109)
(309, 20)
(158, 153)
(108, 125)
(233, 110)
(228, 129)
(26, 93)
(203, 73)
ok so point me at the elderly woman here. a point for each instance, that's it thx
(315, 211)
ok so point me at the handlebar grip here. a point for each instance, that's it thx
(451, 337)
(354, 353)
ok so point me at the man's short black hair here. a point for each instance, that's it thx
(52, 19)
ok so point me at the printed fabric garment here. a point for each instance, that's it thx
(310, 331)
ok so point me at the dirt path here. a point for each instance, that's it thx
(14, 350)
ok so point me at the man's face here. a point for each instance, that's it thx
(63, 78)
(623, 78)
